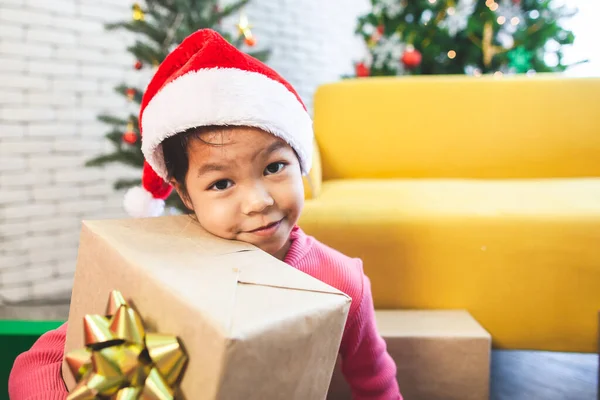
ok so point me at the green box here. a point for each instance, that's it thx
(15, 338)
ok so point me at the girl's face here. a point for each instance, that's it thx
(245, 184)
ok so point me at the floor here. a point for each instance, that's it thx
(516, 375)
(528, 375)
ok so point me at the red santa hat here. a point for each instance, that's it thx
(207, 81)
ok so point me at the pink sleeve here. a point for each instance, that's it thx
(36, 374)
(366, 364)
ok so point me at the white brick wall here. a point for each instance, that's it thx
(312, 41)
(58, 68)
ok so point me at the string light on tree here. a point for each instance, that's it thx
(456, 17)
(244, 29)
(472, 70)
(509, 15)
(250, 41)
(453, 34)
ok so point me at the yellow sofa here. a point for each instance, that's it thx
(474, 193)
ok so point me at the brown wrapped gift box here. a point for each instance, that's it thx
(252, 326)
(439, 355)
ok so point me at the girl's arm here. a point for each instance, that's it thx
(368, 368)
(36, 374)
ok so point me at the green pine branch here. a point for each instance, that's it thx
(140, 27)
(145, 52)
(540, 22)
(126, 183)
(116, 138)
(111, 120)
(166, 23)
(126, 157)
(261, 55)
(122, 89)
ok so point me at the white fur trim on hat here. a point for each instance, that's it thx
(140, 203)
(225, 96)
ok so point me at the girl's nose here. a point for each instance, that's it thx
(257, 200)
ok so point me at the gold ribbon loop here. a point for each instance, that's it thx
(115, 301)
(121, 361)
(79, 361)
(166, 353)
(127, 325)
(97, 331)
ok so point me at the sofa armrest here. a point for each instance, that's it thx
(312, 181)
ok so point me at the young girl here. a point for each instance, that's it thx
(233, 138)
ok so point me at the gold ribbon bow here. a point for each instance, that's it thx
(121, 361)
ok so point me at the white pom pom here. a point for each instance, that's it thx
(140, 203)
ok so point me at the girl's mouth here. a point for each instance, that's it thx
(267, 230)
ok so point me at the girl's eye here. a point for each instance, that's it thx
(274, 168)
(221, 185)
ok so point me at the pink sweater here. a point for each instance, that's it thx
(366, 365)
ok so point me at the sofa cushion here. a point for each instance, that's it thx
(522, 256)
(436, 126)
(312, 181)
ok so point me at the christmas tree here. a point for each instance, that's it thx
(159, 27)
(471, 37)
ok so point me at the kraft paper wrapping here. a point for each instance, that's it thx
(252, 326)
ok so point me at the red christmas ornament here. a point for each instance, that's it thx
(250, 41)
(130, 93)
(380, 29)
(517, 2)
(411, 57)
(138, 65)
(362, 70)
(130, 137)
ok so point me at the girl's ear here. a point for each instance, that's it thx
(182, 192)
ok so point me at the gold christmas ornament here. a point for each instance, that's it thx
(121, 361)
(138, 13)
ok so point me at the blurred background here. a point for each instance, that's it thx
(72, 73)
(60, 67)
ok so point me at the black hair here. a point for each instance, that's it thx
(175, 153)
(176, 156)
